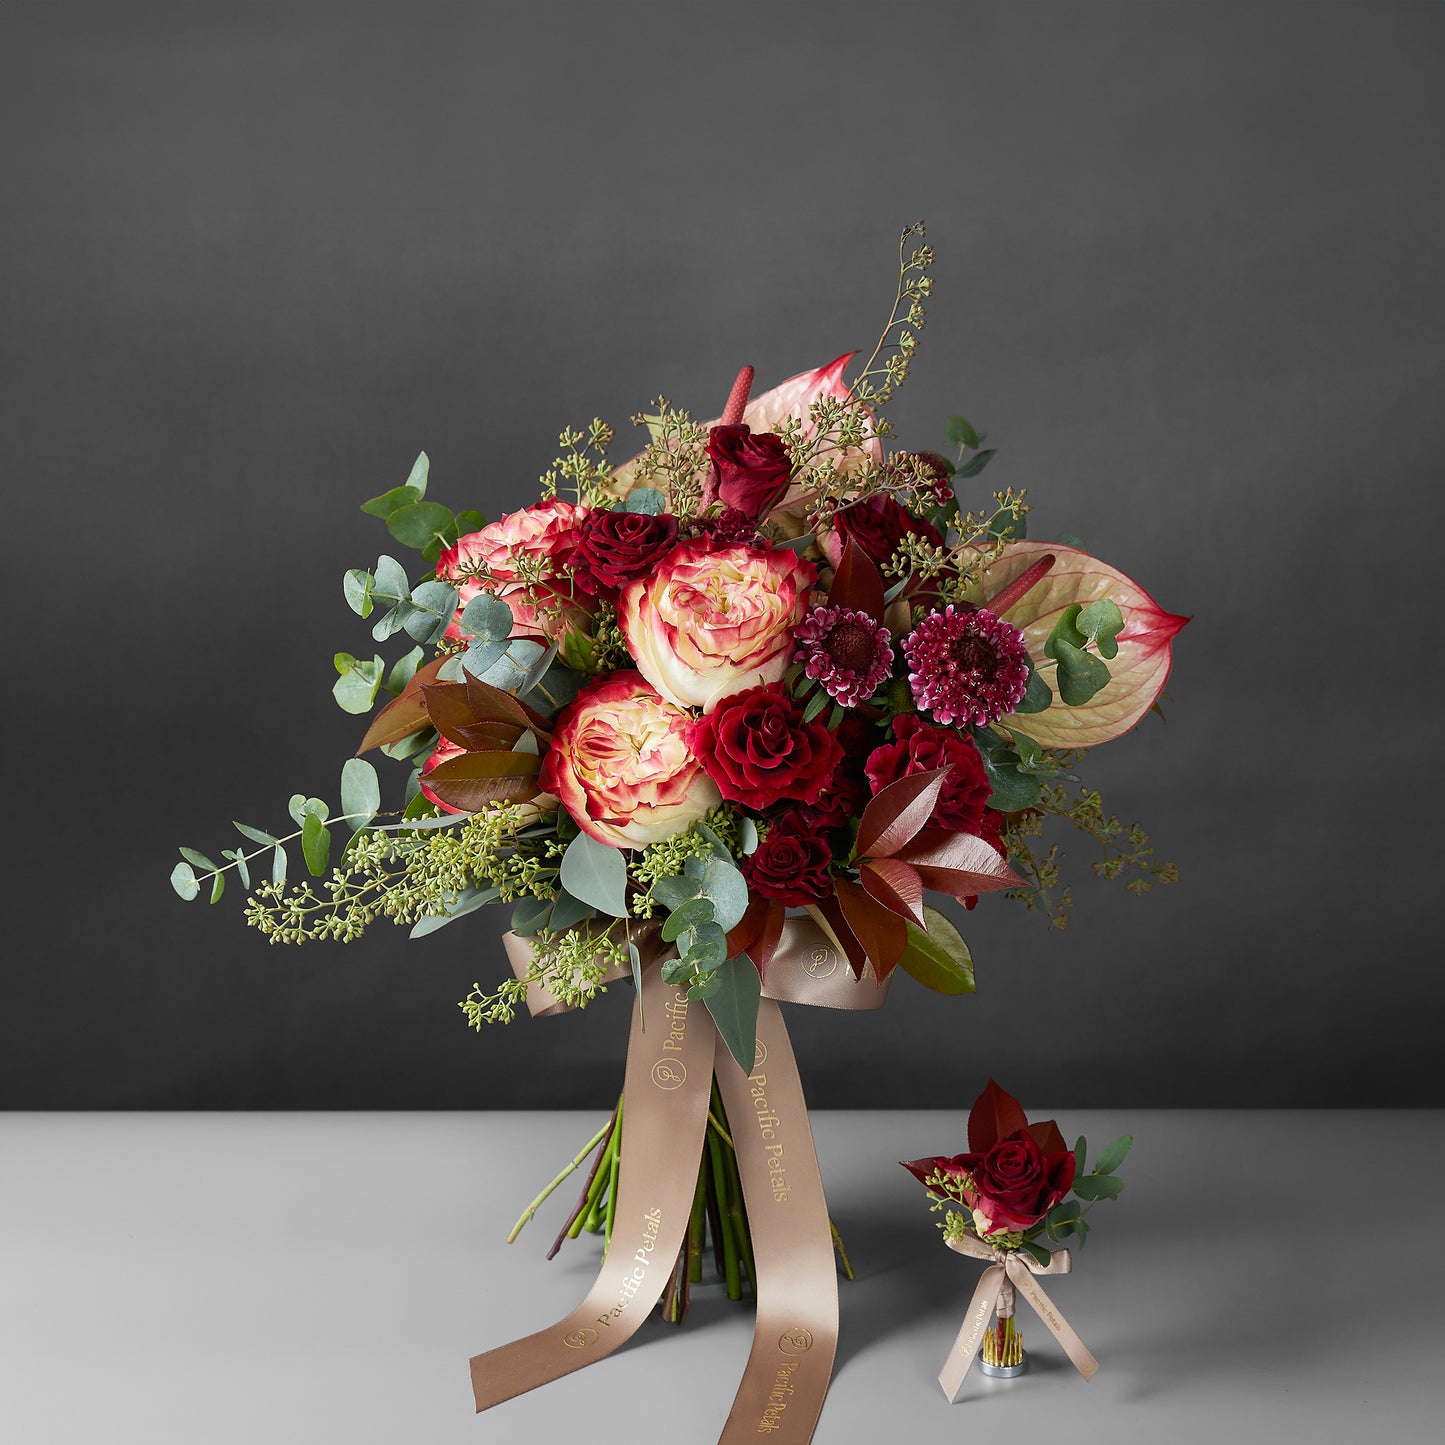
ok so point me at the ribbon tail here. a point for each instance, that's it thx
(970, 1335)
(791, 1362)
(1062, 1330)
(669, 1079)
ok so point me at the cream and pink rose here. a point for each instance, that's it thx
(711, 621)
(620, 763)
(547, 533)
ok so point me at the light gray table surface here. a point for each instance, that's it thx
(208, 1279)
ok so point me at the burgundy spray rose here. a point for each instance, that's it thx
(750, 469)
(758, 750)
(791, 863)
(617, 546)
(877, 526)
(919, 749)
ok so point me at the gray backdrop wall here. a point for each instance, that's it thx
(256, 257)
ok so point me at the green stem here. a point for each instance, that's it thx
(729, 1243)
(576, 1163)
(613, 1170)
(695, 1229)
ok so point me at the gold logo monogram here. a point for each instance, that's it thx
(820, 963)
(669, 1074)
(579, 1339)
(760, 1055)
(795, 1341)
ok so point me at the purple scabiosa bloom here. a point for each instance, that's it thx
(966, 667)
(846, 650)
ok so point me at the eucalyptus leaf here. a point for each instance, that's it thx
(256, 835)
(356, 588)
(960, 432)
(299, 805)
(704, 946)
(1098, 1186)
(390, 582)
(596, 874)
(1039, 1253)
(403, 670)
(568, 911)
(355, 690)
(486, 618)
(1081, 1151)
(467, 901)
(243, 872)
(530, 916)
(391, 621)
(1012, 791)
(646, 500)
(183, 880)
(726, 888)
(315, 844)
(1111, 1156)
(1080, 674)
(420, 472)
(278, 866)
(480, 657)
(733, 1004)
(1038, 696)
(218, 887)
(198, 859)
(469, 521)
(693, 912)
(391, 501)
(1102, 622)
(747, 836)
(976, 463)
(420, 523)
(360, 792)
(674, 892)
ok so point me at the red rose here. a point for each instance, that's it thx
(617, 546)
(877, 526)
(791, 863)
(758, 750)
(750, 469)
(919, 749)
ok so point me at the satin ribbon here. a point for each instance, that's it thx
(1009, 1267)
(670, 1066)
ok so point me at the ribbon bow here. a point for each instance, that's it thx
(1009, 1269)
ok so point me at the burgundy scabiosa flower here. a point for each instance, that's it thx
(846, 650)
(966, 667)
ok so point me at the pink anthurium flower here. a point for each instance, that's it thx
(1136, 676)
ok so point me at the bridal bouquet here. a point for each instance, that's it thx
(716, 720)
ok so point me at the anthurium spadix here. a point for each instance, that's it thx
(1136, 675)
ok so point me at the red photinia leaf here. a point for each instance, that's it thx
(959, 863)
(749, 927)
(856, 583)
(829, 917)
(491, 703)
(895, 885)
(405, 714)
(920, 1169)
(765, 945)
(470, 781)
(883, 934)
(455, 718)
(897, 813)
(1048, 1137)
(1015, 591)
(1136, 676)
(994, 1116)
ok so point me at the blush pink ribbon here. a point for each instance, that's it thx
(670, 1066)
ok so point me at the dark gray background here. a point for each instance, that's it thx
(255, 257)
